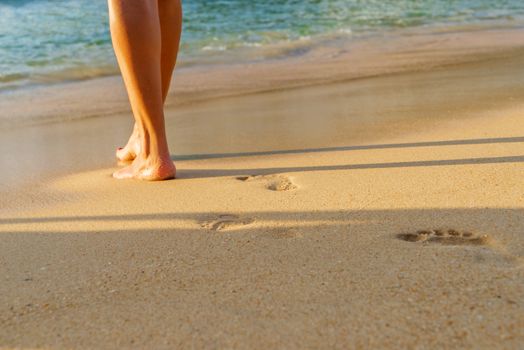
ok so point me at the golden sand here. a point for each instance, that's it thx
(395, 222)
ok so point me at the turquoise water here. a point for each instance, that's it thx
(49, 40)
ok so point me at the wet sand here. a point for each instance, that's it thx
(383, 212)
(351, 113)
(333, 61)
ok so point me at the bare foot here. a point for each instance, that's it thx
(131, 149)
(149, 169)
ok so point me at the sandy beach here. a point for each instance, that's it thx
(382, 209)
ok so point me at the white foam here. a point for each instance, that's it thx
(214, 48)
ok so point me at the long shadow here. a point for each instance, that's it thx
(325, 263)
(353, 148)
(486, 214)
(497, 224)
(203, 173)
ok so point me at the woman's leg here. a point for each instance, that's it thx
(136, 35)
(170, 14)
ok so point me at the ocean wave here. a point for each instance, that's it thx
(49, 39)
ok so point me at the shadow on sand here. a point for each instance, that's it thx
(204, 173)
(354, 148)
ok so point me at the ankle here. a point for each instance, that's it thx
(153, 145)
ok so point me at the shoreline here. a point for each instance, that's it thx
(376, 56)
(254, 54)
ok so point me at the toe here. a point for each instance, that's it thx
(119, 152)
(124, 155)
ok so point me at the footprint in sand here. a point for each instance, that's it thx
(225, 221)
(451, 237)
(446, 237)
(273, 182)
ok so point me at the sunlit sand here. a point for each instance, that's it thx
(384, 212)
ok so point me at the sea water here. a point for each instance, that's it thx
(54, 40)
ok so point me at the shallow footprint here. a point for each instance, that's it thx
(273, 182)
(446, 237)
(225, 221)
